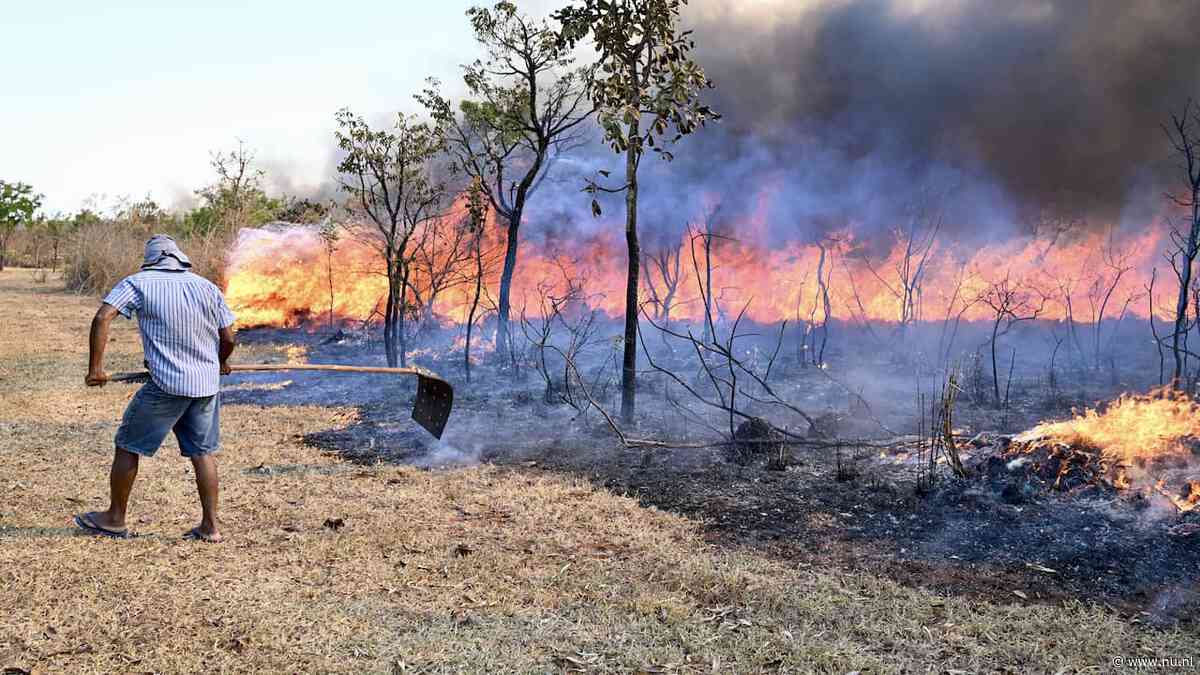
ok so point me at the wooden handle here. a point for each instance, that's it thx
(253, 367)
(319, 366)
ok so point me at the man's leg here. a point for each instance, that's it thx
(199, 434)
(120, 484)
(147, 420)
(208, 485)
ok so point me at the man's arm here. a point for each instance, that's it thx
(97, 341)
(228, 342)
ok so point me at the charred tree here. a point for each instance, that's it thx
(704, 282)
(1184, 135)
(1011, 302)
(663, 272)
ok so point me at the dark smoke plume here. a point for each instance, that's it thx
(1052, 104)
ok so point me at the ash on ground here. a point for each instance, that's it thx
(1001, 535)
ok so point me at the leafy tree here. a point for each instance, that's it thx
(84, 218)
(51, 231)
(58, 229)
(235, 200)
(647, 87)
(387, 173)
(144, 214)
(18, 202)
(302, 210)
(525, 107)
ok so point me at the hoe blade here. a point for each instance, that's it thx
(435, 398)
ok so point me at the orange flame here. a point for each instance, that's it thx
(282, 277)
(1134, 427)
(1142, 431)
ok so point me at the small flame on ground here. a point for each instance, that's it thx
(1138, 432)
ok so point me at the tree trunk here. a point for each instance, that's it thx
(329, 273)
(710, 329)
(629, 364)
(474, 303)
(826, 308)
(389, 322)
(1181, 305)
(995, 373)
(400, 323)
(390, 312)
(503, 332)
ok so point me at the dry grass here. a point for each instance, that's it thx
(99, 255)
(476, 570)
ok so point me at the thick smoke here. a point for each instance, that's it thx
(1023, 105)
(844, 114)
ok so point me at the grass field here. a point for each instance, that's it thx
(471, 570)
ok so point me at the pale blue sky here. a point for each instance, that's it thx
(125, 98)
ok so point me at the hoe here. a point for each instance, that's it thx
(435, 396)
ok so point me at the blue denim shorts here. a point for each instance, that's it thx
(153, 413)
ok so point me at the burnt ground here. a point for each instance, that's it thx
(853, 509)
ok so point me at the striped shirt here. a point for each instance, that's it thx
(179, 315)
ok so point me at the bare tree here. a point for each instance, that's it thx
(568, 311)
(442, 257)
(707, 234)
(662, 277)
(1107, 279)
(477, 208)
(916, 243)
(956, 307)
(1012, 302)
(824, 276)
(1184, 136)
(330, 234)
(388, 176)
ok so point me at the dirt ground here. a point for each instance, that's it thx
(351, 567)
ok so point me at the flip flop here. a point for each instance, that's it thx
(87, 523)
(195, 534)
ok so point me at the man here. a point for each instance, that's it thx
(187, 338)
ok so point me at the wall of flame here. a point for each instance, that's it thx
(279, 276)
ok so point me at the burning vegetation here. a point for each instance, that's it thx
(280, 276)
(907, 341)
(1148, 443)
